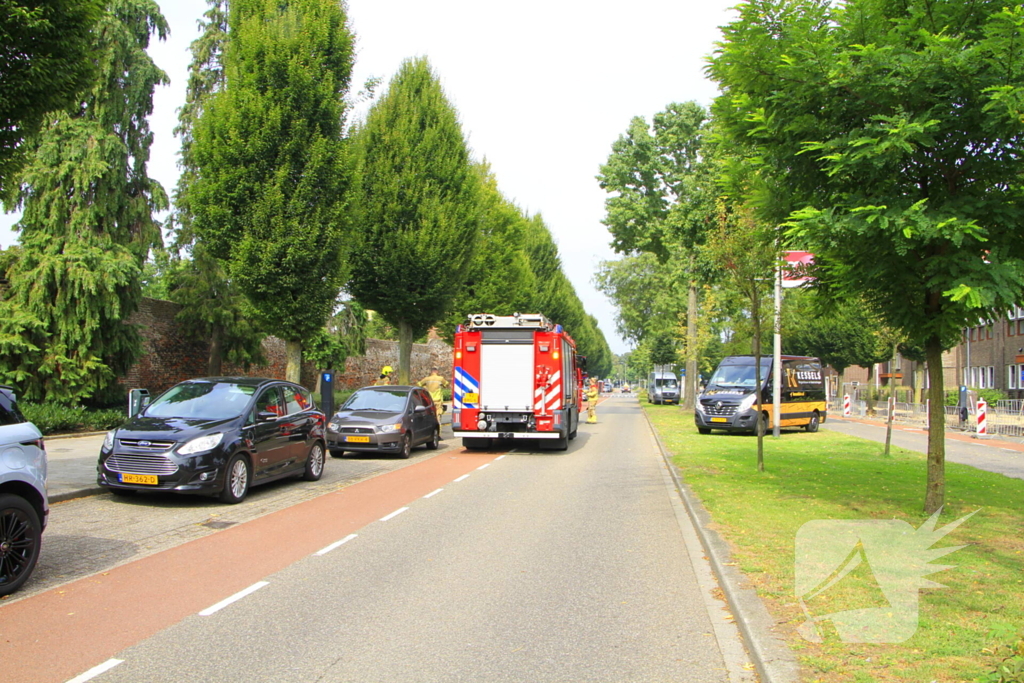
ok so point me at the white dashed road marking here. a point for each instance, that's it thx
(334, 545)
(483, 466)
(433, 493)
(464, 476)
(96, 671)
(393, 514)
(234, 598)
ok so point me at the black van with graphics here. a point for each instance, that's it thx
(729, 401)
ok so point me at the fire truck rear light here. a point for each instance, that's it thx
(456, 419)
(555, 355)
(481, 424)
(558, 419)
(458, 354)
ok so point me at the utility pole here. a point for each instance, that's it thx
(777, 354)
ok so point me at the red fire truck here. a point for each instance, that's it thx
(515, 377)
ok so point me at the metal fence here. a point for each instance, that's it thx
(1005, 419)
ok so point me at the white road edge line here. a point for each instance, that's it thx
(483, 466)
(433, 493)
(96, 671)
(334, 545)
(499, 458)
(234, 598)
(464, 476)
(393, 514)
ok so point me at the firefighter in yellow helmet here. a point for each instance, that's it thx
(592, 403)
(434, 383)
(385, 376)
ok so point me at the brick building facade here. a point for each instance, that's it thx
(169, 356)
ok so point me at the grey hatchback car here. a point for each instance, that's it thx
(385, 420)
(23, 506)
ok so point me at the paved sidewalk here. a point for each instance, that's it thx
(994, 455)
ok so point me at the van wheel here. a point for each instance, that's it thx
(812, 426)
(20, 536)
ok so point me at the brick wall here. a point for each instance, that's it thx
(168, 357)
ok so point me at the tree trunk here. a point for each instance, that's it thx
(216, 357)
(690, 386)
(935, 494)
(293, 359)
(755, 310)
(404, 352)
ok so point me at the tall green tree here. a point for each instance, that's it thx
(272, 169)
(419, 212)
(214, 310)
(87, 223)
(649, 296)
(662, 202)
(894, 129)
(498, 278)
(746, 250)
(46, 62)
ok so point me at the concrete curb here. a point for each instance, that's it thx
(73, 435)
(775, 662)
(77, 493)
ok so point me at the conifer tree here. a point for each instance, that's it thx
(272, 171)
(419, 213)
(87, 224)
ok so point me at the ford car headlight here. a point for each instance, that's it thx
(389, 429)
(108, 440)
(201, 444)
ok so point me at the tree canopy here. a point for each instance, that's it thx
(46, 62)
(273, 173)
(892, 131)
(419, 213)
(87, 224)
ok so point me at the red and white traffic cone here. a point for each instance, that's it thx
(982, 418)
(846, 405)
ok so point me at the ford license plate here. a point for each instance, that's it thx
(148, 479)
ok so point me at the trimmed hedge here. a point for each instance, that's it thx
(52, 418)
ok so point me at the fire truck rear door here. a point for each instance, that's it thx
(506, 370)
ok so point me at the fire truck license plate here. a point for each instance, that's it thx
(471, 398)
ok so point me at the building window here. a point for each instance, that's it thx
(991, 375)
(988, 331)
(1012, 373)
(1011, 328)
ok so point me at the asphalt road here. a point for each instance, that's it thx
(995, 455)
(534, 566)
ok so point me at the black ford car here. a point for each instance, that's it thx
(216, 436)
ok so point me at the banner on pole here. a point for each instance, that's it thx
(794, 268)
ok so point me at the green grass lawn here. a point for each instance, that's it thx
(827, 475)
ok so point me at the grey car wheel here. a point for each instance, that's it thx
(20, 537)
(406, 447)
(314, 463)
(236, 483)
(435, 439)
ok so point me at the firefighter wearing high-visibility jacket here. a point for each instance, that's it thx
(592, 403)
(385, 376)
(434, 383)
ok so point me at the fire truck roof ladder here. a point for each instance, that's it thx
(488, 321)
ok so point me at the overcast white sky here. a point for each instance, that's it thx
(543, 89)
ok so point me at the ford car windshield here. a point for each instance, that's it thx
(204, 400)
